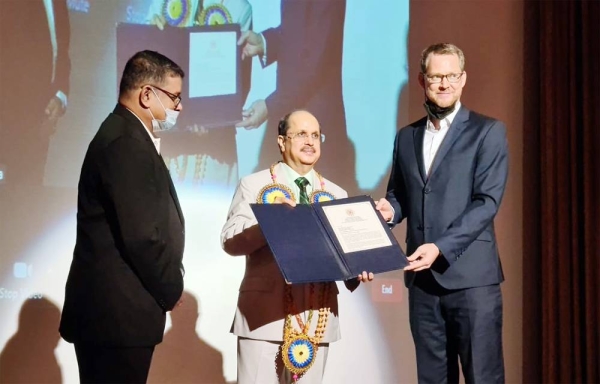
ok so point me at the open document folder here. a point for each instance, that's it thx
(329, 241)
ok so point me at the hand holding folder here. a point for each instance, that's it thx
(330, 241)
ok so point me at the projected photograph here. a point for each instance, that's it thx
(344, 61)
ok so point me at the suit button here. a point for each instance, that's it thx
(427, 190)
(420, 227)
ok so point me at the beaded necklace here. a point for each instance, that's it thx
(270, 192)
(299, 350)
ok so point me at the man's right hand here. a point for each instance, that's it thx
(254, 116)
(252, 44)
(159, 21)
(284, 200)
(385, 209)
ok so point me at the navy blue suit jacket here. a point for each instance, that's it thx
(455, 206)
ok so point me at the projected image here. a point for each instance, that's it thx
(299, 59)
(247, 64)
(201, 149)
(35, 69)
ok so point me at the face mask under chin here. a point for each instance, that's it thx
(436, 112)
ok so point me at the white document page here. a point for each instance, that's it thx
(357, 226)
(213, 64)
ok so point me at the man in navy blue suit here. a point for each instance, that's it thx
(307, 45)
(448, 177)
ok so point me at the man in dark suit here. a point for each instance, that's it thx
(126, 271)
(307, 46)
(448, 178)
(34, 73)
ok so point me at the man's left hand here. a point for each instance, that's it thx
(54, 110)
(423, 257)
(254, 116)
(366, 277)
(385, 209)
(252, 44)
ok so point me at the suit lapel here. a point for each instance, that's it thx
(458, 124)
(173, 191)
(282, 177)
(418, 135)
(137, 124)
(315, 183)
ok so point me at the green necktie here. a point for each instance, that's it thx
(301, 182)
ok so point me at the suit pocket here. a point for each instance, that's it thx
(257, 284)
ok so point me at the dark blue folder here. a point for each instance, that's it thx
(306, 248)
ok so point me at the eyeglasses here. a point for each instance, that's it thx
(176, 99)
(302, 136)
(437, 78)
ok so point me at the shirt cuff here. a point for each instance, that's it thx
(391, 221)
(63, 98)
(263, 58)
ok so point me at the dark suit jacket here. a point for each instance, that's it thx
(126, 270)
(455, 207)
(308, 47)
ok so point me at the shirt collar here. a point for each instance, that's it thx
(155, 140)
(446, 121)
(293, 175)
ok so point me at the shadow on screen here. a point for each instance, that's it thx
(28, 357)
(401, 121)
(183, 357)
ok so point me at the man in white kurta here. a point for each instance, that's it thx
(262, 305)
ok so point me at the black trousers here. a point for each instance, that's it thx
(113, 364)
(450, 324)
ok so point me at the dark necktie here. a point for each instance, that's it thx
(301, 182)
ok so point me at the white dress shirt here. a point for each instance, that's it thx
(293, 175)
(155, 140)
(433, 138)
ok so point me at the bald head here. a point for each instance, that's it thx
(299, 140)
(296, 117)
(302, 120)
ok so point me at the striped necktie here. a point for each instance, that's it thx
(301, 182)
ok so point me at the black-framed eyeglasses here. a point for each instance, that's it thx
(302, 136)
(176, 99)
(438, 78)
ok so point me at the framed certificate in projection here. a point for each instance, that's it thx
(211, 59)
(329, 241)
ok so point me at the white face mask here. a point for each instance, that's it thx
(168, 122)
